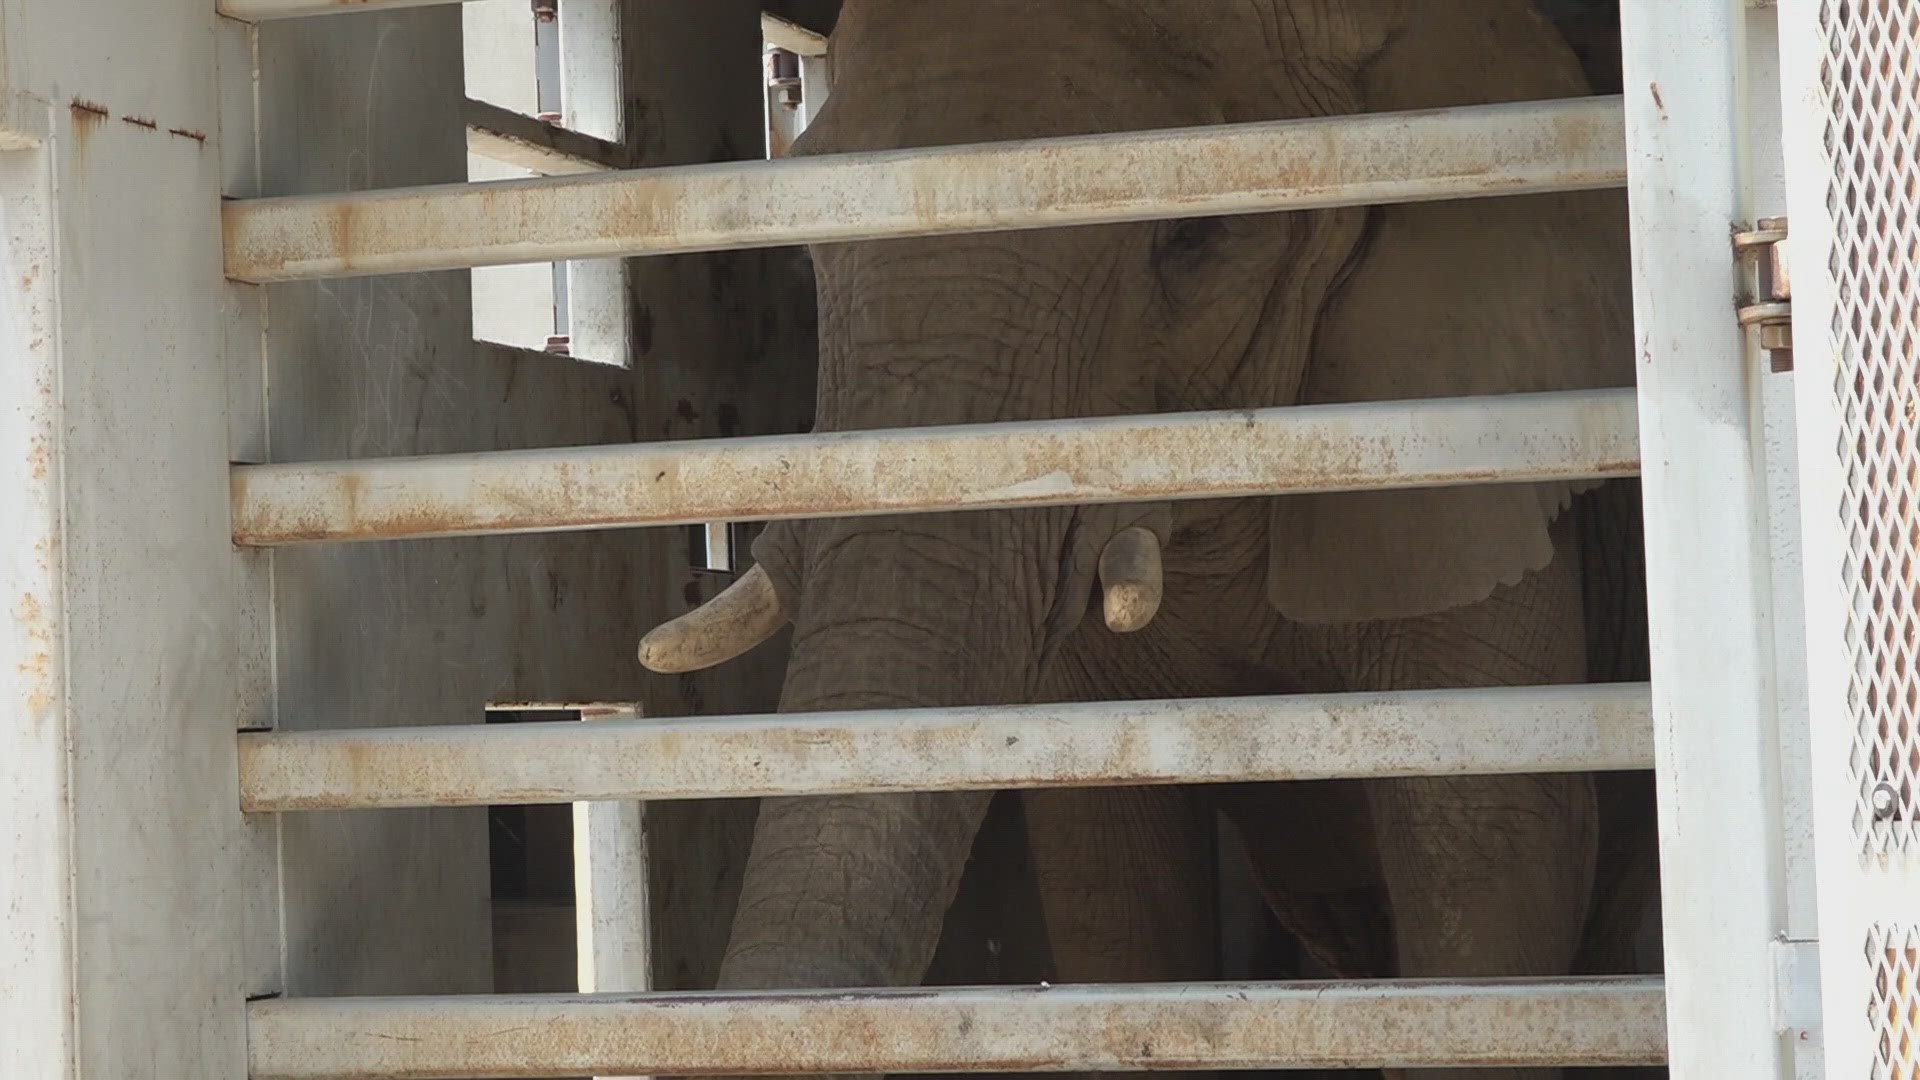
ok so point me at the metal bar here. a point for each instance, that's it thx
(1336, 1025)
(783, 33)
(1709, 586)
(1206, 740)
(613, 918)
(1230, 169)
(263, 10)
(530, 143)
(1369, 445)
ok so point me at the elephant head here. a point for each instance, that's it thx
(1504, 295)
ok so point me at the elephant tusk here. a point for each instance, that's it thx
(741, 617)
(1130, 574)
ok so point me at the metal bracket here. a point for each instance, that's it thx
(1767, 289)
(1796, 991)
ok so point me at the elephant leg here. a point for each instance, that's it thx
(1312, 851)
(1127, 883)
(1126, 879)
(1488, 876)
(849, 891)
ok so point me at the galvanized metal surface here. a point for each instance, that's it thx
(1420, 733)
(263, 10)
(1432, 443)
(1234, 169)
(1613, 1021)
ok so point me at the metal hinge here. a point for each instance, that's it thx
(1766, 289)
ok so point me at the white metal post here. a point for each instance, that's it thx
(121, 904)
(37, 1033)
(612, 917)
(1851, 95)
(1708, 574)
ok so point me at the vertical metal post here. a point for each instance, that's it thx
(612, 917)
(121, 895)
(1851, 96)
(1708, 573)
(37, 1029)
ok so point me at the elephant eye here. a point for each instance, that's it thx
(1189, 239)
(1193, 234)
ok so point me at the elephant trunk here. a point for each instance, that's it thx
(900, 613)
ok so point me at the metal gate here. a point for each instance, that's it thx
(1853, 131)
(126, 850)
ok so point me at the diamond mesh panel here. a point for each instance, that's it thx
(1871, 81)
(1894, 955)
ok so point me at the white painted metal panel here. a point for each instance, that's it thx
(1203, 740)
(37, 1019)
(1233, 169)
(121, 899)
(1709, 583)
(1852, 105)
(263, 10)
(1066, 1029)
(1439, 442)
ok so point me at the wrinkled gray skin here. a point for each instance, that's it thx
(1463, 587)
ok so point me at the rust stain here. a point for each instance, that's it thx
(142, 122)
(1658, 101)
(188, 133)
(87, 117)
(38, 666)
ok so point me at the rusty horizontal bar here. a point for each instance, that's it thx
(1390, 1024)
(1202, 740)
(1372, 445)
(1481, 150)
(263, 10)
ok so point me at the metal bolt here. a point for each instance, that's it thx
(1885, 801)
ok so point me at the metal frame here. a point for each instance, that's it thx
(535, 145)
(1572, 435)
(265, 10)
(1209, 740)
(121, 843)
(1709, 579)
(1863, 894)
(94, 975)
(1485, 150)
(1070, 1029)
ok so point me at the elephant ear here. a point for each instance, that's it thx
(1493, 296)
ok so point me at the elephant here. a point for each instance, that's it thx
(1482, 585)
